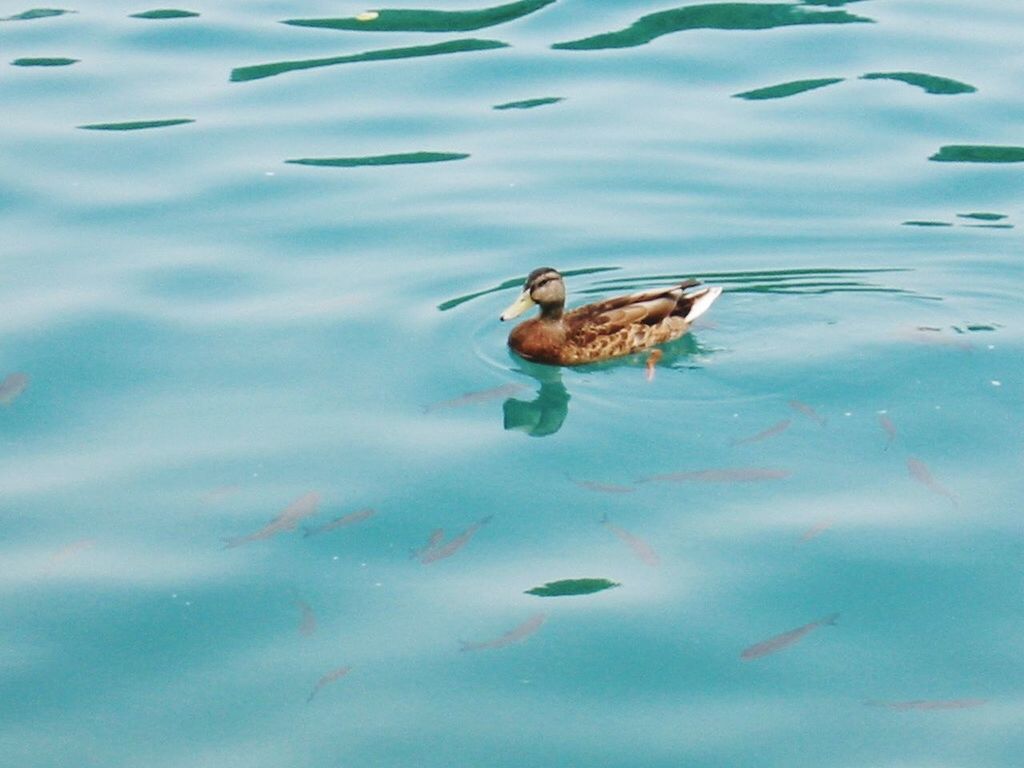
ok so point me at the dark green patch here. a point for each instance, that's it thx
(982, 216)
(137, 125)
(572, 587)
(530, 103)
(787, 89)
(400, 20)
(732, 16)
(408, 158)
(165, 13)
(930, 83)
(36, 13)
(915, 223)
(259, 71)
(978, 153)
(44, 62)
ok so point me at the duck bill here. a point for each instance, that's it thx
(520, 305)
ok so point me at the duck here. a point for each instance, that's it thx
(605, 329)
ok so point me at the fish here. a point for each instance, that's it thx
(472, 398)
(339, 522)
(728, 475)
(774, 429)
(919, 471)
(327, 679)
(514, 635)
(652, 360)
(304, 506)
(890, 429)
(927, 705)
(807, 411)
(435, 538)
(817, 529)
(590, 485)
(308, 624)
(786, 639)
(438, 551)
(640, 548)
(12, 386)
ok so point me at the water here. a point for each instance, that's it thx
(211, 332)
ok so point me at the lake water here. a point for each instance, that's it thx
(199, 336)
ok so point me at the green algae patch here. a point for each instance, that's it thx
(260, 71)
(942, 86)
(407, 158)
(36, 13)
(982, 216)
(402, 20)
(165, 13)
(568, 587)
(978, 153)
(53, 61)
(530, 103)
(791, 88)
(727, 16)
(136, 125)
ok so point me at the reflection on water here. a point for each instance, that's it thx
(929, 83)
(787, 89)
(54, 61)
(165, 13)
(36, 13)
(983, 216)
(530, 103)
(136, 125)
(407, 158)
(978, 153)
(260, 71)
(402, 20)
(732, 16)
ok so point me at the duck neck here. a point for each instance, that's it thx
(551, 313)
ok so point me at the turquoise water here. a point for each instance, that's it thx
(252, 270)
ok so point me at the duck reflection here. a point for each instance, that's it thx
(546, 412)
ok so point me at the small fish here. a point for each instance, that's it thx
(640, 548)
(12, 387)
(327, 679)
(590, 485)
(774, 429)
(308, 624)
(339, 522)
(807, 411)
(304, 506)
(817, 529)
(927, 705)
(890, 429)
(514, 635)
(472, 398)
(436, 537)
(731, 475)
(786, 639)
(440, 551)
(652, 360)
(919, 471)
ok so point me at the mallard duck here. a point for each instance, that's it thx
(605, 329)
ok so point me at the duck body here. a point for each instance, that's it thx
(606, 329)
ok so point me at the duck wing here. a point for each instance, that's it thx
(618, 313)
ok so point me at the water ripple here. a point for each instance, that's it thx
(402, 20)
(407, 158)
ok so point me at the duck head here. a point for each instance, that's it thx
(544, 287)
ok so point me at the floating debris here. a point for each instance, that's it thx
(919, 471)
(729, 475)
(942, 86)
(638, 546)
(783, 90)
(530, 103)
(927, 704)
(164, 13)
(288, 520)
(260, 71)
(473, 398)
(786, 639)
(978, 153)
(12, 387)
(339, 522)
(408, 158)
(775, 429)
(136, 125)
(435, 550)
(566, 587)
(514, 635)
(416, 20)
(46, 61)
(327, 679)
(808, 411)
